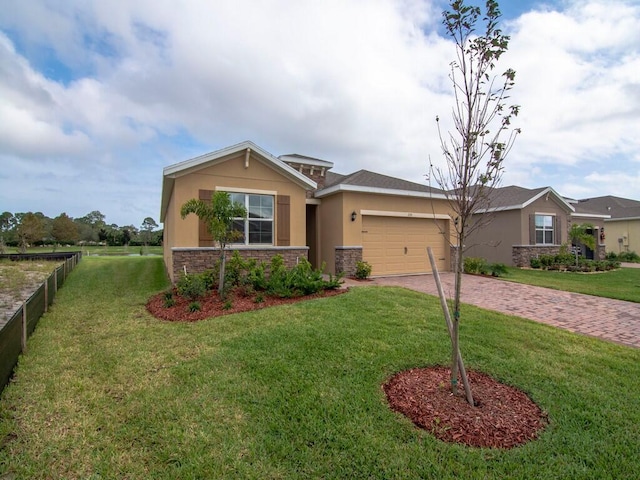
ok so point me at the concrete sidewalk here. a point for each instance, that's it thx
(609, 319)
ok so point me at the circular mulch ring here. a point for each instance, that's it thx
(213, 306)
(504, 417)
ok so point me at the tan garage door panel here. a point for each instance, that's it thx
(394, 245)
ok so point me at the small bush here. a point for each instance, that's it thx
(194, 307)
(363, 270)
(228, 305)
(192, 286)
(259, 298)
(475, 265)
(535, 263)
(169, 301)
(631, 257)
(498, 269)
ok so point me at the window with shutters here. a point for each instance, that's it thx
(257, 228)
(544, 229)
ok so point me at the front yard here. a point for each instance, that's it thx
(108, 391)
(622, 284)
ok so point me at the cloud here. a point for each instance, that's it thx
(110, 92)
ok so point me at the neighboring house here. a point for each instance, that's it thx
(622, 229)
(526, 223)
(299, 209)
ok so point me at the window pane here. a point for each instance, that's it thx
(539, 236)
(238, 226)
(539, 221)
(261, 206)
(548, 237)
(237, 198)
(260, 232)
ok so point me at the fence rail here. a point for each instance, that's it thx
(15, 332)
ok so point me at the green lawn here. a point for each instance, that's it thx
(623, 283)
(96, 250)
(106, 391)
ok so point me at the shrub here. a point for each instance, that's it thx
(475, 265)
(363, 270)
(535, 263)
(498, 269)
(299, 280)
(632, 257)
(169, 301)
(192, 286)
(228, 305)
(194, 307)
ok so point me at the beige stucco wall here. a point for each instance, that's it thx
(231, 175)
(337, 229)
(618, 229)
(493, 241)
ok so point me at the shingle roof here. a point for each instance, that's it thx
(365, 178)
(617, 207)
(513, 196)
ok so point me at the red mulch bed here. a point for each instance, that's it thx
(213, 306)
(504, 417)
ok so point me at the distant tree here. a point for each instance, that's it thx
(90, 225)
(30, 230)
(7, 227)
(475, 155)
(64, 230)
(147, 228)
(218, 215)
(126, 235)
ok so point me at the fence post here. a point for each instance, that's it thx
(46, 295)
(55, 281)
(24, 328)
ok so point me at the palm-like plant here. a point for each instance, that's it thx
(218, 216)
(580, 234)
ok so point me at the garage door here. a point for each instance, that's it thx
(395, 246)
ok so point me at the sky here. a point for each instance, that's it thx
(96, 97)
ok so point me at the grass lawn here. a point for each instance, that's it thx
(623, 283)
(107, 391)
(96, 250)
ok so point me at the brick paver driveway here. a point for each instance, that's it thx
(614, 320)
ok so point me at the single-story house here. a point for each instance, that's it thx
(622, 229)
(526, 223)
(298, 208)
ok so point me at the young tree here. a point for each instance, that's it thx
(474, 155)
(579, 235)
(64, 230)
(218, 215)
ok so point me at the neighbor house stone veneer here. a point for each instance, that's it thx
(522, 254)
(197, 260)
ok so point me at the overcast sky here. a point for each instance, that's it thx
(97, 97)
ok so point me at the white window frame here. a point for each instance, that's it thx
(545, 228)
(247, 221)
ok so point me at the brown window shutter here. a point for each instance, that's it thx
(532, 229)
(204, 237)
(283, 219)
(557, 237)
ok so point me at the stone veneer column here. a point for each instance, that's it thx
(347, 259)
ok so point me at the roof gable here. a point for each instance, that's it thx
(517, 198)
(195, 164)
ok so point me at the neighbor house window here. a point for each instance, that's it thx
(544, 229)
(257, 228)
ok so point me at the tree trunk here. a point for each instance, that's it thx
(223, 262)
(447, 317)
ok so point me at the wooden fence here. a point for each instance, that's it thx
(15, 331)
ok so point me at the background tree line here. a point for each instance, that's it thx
(22, 230)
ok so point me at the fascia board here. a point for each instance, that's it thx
(622, 219)
(590, 215)
(380, 191)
